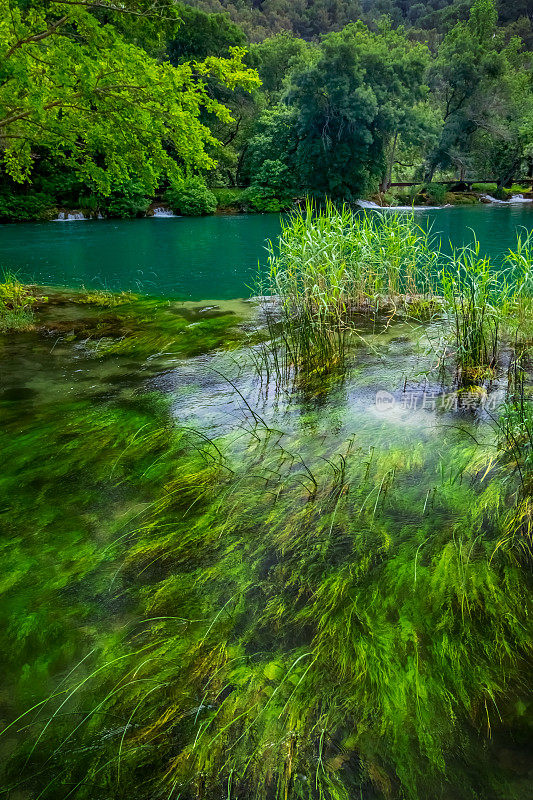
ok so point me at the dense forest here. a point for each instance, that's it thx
(109, 107)
(310, 19)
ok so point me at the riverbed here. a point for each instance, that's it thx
(213, 585)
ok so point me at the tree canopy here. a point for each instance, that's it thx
(126, 100)
(74, 83)
(309, 19)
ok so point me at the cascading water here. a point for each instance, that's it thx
(160, 211)
(516, 198)
(368, 204)
(67, 216)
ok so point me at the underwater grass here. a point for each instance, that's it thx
(305, 629)
(269, 617)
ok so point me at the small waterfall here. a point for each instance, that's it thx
(67, 216)
(367, 204)
(519, 198)
(516, 198)
(374, 206)
(160, 211)
(416, 208)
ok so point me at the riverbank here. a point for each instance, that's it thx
(436, 194)
(228, 201)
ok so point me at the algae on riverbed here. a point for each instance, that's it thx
(214, 589)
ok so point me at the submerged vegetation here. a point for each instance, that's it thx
(227, 575)
(282, 550)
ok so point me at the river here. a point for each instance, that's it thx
(201, 258)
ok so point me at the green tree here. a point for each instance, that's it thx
(201, 35)
(503, 147)
(466, 77)
(276, 57)
(271, 161)
(350, 105)
(74, 84)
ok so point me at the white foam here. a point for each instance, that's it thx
(374, 207)
(66, 216)
(367, 204)
(163, 212)
(516, 198)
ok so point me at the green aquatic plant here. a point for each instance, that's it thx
(293, 638)
(16, 304)
(330, 265)
(515, 421)
(297, 609)
(333, 266)
(108, 324)
(520, 265)
(516, 424)
(477, 299)
(105, 298)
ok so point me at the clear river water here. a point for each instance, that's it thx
(214, 585)
(201, 258)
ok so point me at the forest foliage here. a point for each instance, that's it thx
(105, 106)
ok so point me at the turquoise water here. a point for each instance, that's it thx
(200, 258)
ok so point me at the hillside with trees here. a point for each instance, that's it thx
(309, 19)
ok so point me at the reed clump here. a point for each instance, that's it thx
(333, 268)
(519, 263)
(478, 298)
(330, 265)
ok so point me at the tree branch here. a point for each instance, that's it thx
(155, 9)
(27, 113)
(37, 37)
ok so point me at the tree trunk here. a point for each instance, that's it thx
(506, 178)
(387, 180)
(238, 181)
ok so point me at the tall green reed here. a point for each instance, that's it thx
(477, 299)
(331, 264)
(520, 265)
